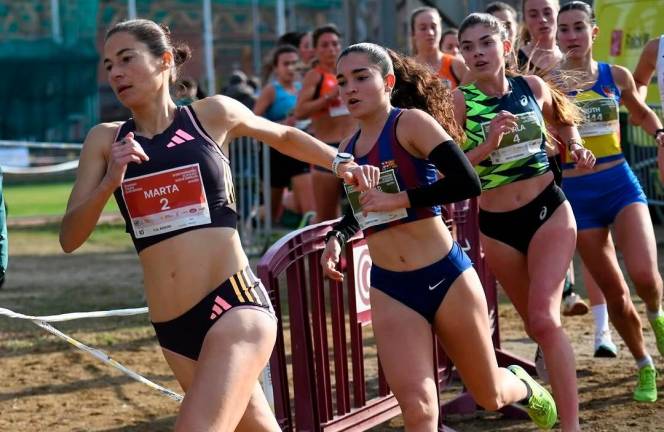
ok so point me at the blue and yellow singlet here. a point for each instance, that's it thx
(522, 153)
(601, 128)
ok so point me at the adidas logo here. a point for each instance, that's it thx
(220, 305)
(179, 138)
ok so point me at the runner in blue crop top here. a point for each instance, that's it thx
(277, 103)
(212, 316)
(420, 277)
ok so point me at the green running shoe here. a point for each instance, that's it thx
(646, 389)
(658, 328)
(541, 407)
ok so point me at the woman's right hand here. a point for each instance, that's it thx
(122, 152)
(330, 259)
(504, 122)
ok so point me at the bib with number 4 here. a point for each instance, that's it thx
(524, 141)
(166, 201)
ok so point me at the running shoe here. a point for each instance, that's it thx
(646, 389)
(540, 366)
(604, 346)
(541, 407)
(574, 305)
(658, 328)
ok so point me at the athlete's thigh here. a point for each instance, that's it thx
(599, 256)
(462, 326)
(636, 238)
(549, 260)
(183, 367)
(405, 344)
(511, 269)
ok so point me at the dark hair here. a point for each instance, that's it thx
(487, 20)
(282, 49)
(320, 31)
(291, 38)
(415, 86)
(525, 36)
(498, 6)
(157, 37)
(450, 31)
(581, 6)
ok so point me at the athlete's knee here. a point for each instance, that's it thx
(645, 276)
(542, 325)
(419, 407)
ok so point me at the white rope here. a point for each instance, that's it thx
(47, 169)
(74, 315)
(98, 354)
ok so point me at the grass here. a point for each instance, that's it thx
(43, 240)
(41, 199)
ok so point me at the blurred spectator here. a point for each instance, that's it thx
(239, 89)
(449, 42)
(186, 91)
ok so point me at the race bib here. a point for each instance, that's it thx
(388, 184)
(524, 141)
(166, 201)
(601, 117)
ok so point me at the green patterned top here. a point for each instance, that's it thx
(522, 152)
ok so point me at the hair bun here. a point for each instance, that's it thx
(181, 53)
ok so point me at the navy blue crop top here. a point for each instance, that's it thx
(186, 184)
(410, 172)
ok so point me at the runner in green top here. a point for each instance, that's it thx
(521, 208)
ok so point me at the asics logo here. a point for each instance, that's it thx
(524, 100)
(179, 137)
(543, 213)
(220, 305)
(431, 288)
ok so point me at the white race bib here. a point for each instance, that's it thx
(388, 184)
(524, 141)
(601, 117)
(166, 201)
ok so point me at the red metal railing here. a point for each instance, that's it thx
(332, 389)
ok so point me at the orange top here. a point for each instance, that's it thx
(446, 72)
(326, 86)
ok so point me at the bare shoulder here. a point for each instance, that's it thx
(311, 77)
(621, 75)
(103, 134)
(412, 118)
(219, 109)
(536, 84)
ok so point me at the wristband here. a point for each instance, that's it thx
(657, 132)
(572, 142)
(336, 234)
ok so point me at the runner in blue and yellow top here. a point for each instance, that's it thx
(610, 194)
(420, 277)
(521, 208)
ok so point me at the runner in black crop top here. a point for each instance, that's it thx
(171, 179)
(183, 144)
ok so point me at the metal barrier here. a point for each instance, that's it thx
(640, 151)
(250, 165)
(325, 385)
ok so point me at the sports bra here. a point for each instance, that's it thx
(284, 102)
(186, 184)
(410, 172)
(601, 128)
(522, 153)
(326, 86)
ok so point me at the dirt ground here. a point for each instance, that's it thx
(47, 385)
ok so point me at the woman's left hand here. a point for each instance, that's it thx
(660, 139)
(364, 177)
(584, 158)
(376, 201)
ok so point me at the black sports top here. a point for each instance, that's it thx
(186, 184)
